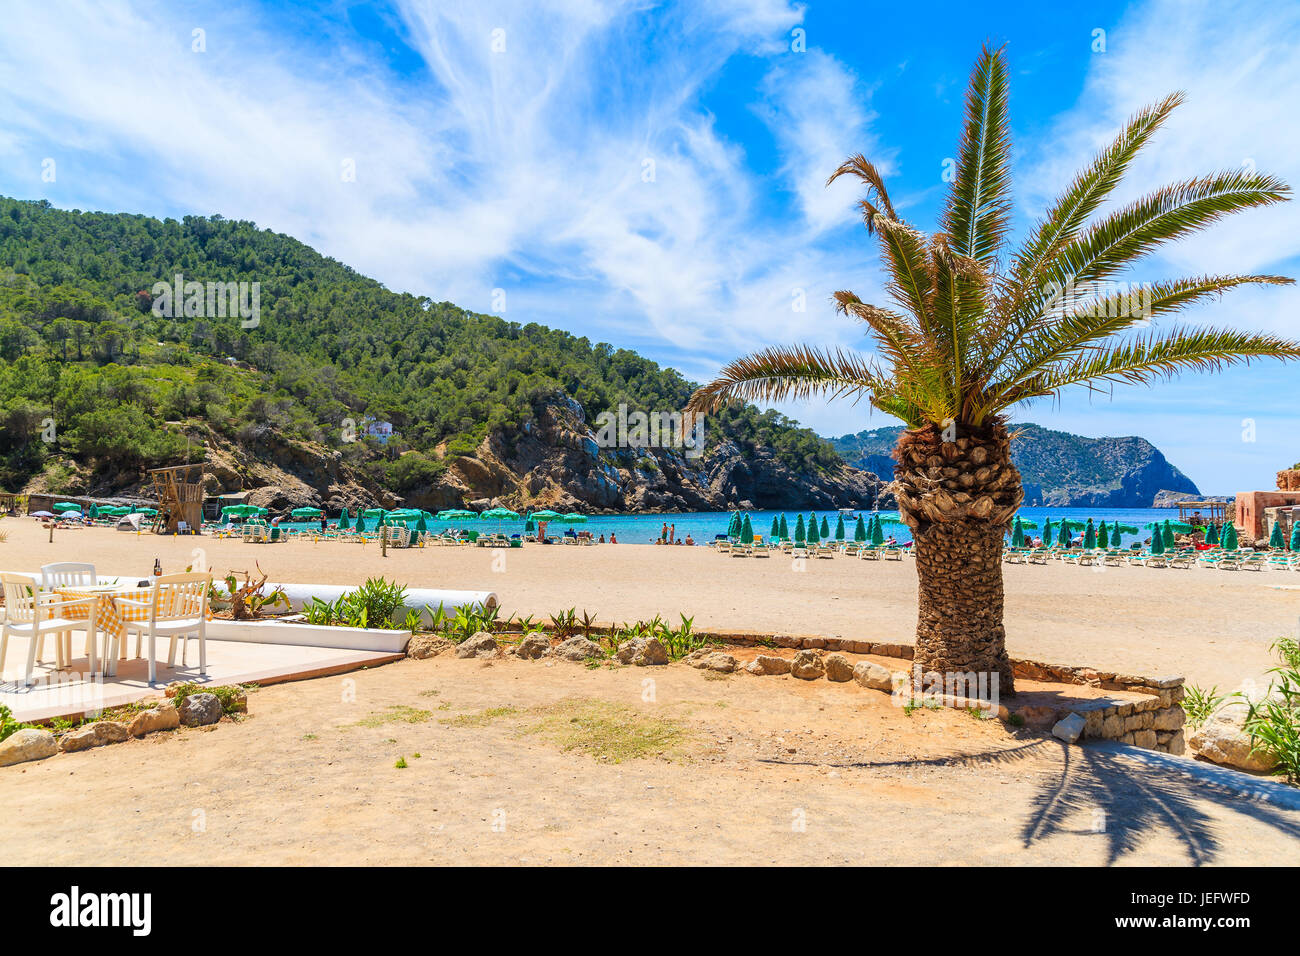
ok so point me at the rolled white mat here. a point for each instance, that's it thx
(416, 598)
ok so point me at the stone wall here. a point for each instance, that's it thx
(1154, 722)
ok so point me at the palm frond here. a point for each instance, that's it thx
(1155, 357)
(800, 372)
(978, 214)
(859, 166)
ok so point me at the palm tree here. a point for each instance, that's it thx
(974, 329)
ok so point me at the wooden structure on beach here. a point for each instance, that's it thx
(1202, 513)
(179, 489)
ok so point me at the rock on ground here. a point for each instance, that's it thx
(30, 743)
(1070, 729)
(162, 717)
(1223, 739)
(765, 664)
(873, 676)
(716, 661)
(533, 646)
(423, 646)
(95, 735)
(838, 668)
(481, 644)
(578, 649)
(199, 710)
(642, 651)
(807, 665)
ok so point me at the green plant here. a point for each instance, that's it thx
(414, 621)
(469, 620)
(565, 623)
(975, 327)
(401, 763)
(1199, 704)
(679, 641)
(1274, 722)
(232, 696)
(1016, 720)
(587, 623)
(8, 725)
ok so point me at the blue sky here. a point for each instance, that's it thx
(652, 174)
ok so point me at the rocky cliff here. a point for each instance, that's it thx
(1058, 469)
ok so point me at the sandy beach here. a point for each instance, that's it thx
(1212, 627)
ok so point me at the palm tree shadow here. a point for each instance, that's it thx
(1134, 800)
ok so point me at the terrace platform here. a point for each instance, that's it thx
(70, 693)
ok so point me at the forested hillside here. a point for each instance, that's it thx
(94, 387)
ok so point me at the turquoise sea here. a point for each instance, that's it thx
(703, 526)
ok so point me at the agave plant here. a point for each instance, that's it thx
(975, 328)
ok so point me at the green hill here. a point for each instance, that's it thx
(95, 387)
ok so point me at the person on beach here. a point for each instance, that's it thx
(612, 539)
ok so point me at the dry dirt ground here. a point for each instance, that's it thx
(530, 762)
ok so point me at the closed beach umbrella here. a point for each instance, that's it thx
(860, 530)
(877, 532)
(733, 525)
(1167, 532)
(1090, 537)
(1229, 536)
(1295, 537)
(785, 529)
(826, 528)
(361, 523)
(813, 536)
(92, 512)
(1018, 535)
(345, 522)
(1047, 532)
(1157, 542)
(1275, 540)
(1212, 535)
(530, 527)
(747, 530)
(800, 534)
(1103, 536)
(775, 533)
(420, 526)
(839, 529)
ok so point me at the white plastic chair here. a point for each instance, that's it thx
(68, 574)
(29, 614)
(178, 607)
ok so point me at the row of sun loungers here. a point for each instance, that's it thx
(863, 552)
(1243, 560)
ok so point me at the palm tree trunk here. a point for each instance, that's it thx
(958, 497)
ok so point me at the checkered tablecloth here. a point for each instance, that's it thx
(109, 612)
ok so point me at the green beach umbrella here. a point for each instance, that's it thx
(775, 533)
(1047, 532)
(1295, 538)
(1229, 536)
(546, 514)
(826, 529)
(361, 523)
(1157, 542)
(1275, 540)
(1017, 535)
(345, 521)
(530, 527)
(305, 513)
(785, 529)
(66, 506)
(800, 534)
(1167, 533)
(420, 526)
(747, 530)
(1090, 537)
(500, 514)
(877, 532)
(839, 529)
(1103, 536)
(1212, 535)
(574, 518)
(860, 530)
(813, 536)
